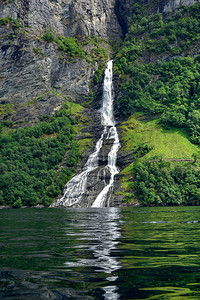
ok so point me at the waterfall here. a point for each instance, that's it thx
(75, 188)
(107, 119)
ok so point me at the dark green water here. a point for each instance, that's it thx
(108, 253)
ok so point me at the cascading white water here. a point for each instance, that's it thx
(107, 119)
(75, 188)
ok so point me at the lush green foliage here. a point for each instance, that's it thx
(70, 46)
(159, 72)
(171, 89)
(161, 183)
(10, 20)
(75, 49)
(30, 158)
(168, 88)
(98, 73)
(67, 44)
(154, 34)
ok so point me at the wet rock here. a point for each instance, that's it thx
(125, 158)
(123, 10)
(5, 206)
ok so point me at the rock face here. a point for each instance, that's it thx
(34, 79)
(67, 17)
(165, 6)
(31, 68)
(123, 10)
(28, 79)
(171, 5)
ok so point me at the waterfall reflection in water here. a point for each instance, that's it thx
(100, 253)
(99, 234)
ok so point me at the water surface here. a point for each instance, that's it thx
(100, 253)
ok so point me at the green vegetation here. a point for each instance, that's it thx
(149, 141)
(6, 1)
(170, 89)
(33, 165)
(172, 143)
(163, 183)
(38, 51)
(49, 36)
(67, 44)
(167, 88)
(159, 72)
(9, 20)
(72, 48)
(98, 73)
(148, 35)
(5, 108)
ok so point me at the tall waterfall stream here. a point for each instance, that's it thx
(76, 188)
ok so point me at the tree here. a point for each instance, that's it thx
(17, 203)
(196, 156)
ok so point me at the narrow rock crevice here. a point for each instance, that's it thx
(123, 10)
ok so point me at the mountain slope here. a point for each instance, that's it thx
(52, 58)
(159, 70)
(52, 55)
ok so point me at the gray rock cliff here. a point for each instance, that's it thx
(31, 67)
(67, 17)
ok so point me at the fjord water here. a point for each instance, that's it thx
(75, 188)
(104, 253)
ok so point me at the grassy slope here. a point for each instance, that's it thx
(171, 144)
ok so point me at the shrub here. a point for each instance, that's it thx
(49, 36)
(14, 22)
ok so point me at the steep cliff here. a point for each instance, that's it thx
(79, 18)
(30, 68)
